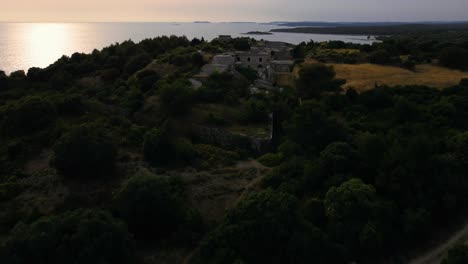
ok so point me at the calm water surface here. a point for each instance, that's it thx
(25, 45)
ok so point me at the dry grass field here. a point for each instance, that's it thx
(364, 76)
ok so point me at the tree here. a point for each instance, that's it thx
(335, 163)
(454, 57)
(241, 44)
(380, 56)
(85, 152)
(313, 129)
(80, 237)
(176, 98)
(350, 209)
(256, 231)
(147, 79)
(223, 87)
(315, 79)
(18, 75)
(3, 80)
(150, 206)
(137, 62)
(255, 111)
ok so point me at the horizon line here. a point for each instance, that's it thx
(257, 22)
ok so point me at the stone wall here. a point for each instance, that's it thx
(223, 138)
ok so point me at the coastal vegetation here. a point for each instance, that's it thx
(117, 157)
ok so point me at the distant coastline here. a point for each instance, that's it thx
(258, 33)
(386, 30)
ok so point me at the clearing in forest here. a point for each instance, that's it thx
(365, 76)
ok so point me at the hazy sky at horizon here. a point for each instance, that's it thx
(233, 10)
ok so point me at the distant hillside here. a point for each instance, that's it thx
(358, 24)
(379, 30)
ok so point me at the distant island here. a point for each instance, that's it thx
(202, 22)
(257, 33)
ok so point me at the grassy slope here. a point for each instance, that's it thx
(365, 76)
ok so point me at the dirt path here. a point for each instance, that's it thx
(435, 255)
(260, 171)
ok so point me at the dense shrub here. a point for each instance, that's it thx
(454, 57)
(176, 98)
(271, 159)
(26, 116)
(256, 231)
(380, 56)
(457, 255)
(137, 63)
(157, 146)
(310, 127)
(248, 73)
(85, 152)
(81, 237)
(223, 87)
(150, 206)
(72, 105)
(255, 111)
(315, 79)
(18, 75)
(147, 80)
(161, 148)
(211, 156)
(351, 209)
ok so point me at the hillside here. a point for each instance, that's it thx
(185, 151)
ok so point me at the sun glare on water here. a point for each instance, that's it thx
(46, 41)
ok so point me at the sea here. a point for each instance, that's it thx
(26, 45)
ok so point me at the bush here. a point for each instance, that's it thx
(380, 57)
(256, 231)
(176, 98)
(137, 63)
(249, 74)
(271, 159)
(212, 156)
(70, 105)
(315, 79)
(85, 152)
(454, 57)
(150, 207)
(147, 79)
(157, 147)
(457, 255)
(255, 111)
(223, 87)
(81, 237)
(26, 116)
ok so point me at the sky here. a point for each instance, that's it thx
(232, 10)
